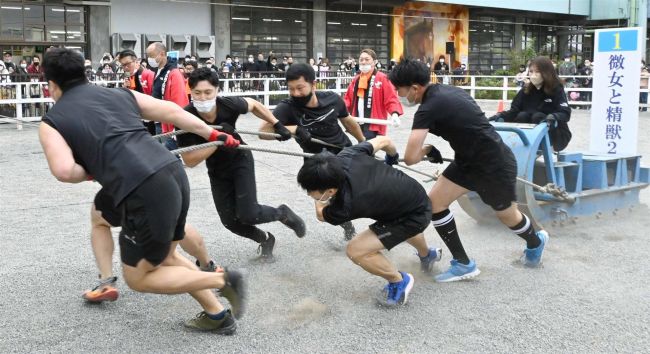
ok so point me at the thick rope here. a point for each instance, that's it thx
(550, 188)
(240, 147)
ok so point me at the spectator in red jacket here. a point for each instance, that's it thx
(35, 66)
(168, 84)
(372, 95)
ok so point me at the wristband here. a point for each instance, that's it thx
(213, 135)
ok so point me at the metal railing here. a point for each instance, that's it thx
(28, 101)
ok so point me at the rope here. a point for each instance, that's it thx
(240, 147)
(249, 132)
(550, 188)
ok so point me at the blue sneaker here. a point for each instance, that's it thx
(397, 293)
(458, 271)
(533, 257)
(426, 263)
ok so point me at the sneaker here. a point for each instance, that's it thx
(104, 291)
(202, 322)
(426, 263)
(235, 292)
(533, 257)
(210, 267)
(397, 293)
(265, 249)
(458, 271)
(348, 230)
(293, 221)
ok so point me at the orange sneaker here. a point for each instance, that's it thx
(105, 291)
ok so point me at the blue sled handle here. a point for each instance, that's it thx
(519, 132)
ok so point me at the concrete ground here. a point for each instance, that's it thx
(591, 295)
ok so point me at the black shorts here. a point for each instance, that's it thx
(153, 216)
(392, 233)
(495, 184)
(104, 204)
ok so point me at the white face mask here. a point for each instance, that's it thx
(324, 201)
(442, 61)
(250, 60)
(228, 61)
(365, 68)
(23, 65)
(536, 79)
(204, 106)
(152, 62)
(405, 100)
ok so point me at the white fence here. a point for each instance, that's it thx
(20, 99)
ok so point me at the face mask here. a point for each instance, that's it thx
(365, 68)
(250, 60)
(36, 63)
(342, 67)
(152, 62)
(301, 101)
(536, 80)
(405, 100)
(23, 66)
(442, 61)
(204, 106)
(566, 60)
(324, 201)
(228, 61)
(236, 60)
(379, 65)
(209, 66)
(273, 63)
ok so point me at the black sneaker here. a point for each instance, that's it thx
(265, 248)
(210, 267)
(348, 230)
(293, 221)
(235, 292)
(202, 322)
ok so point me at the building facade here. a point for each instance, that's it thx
(485, 35)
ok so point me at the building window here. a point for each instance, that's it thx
(34, 21)
(491, 42)
(261, 30)
(348, 34)
(542, 39)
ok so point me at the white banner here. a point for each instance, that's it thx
(615, 107)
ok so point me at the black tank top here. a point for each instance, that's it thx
(102, 127)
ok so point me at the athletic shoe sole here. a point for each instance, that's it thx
(466, 276)
(224, 331)
(98, 296)
(408, 289)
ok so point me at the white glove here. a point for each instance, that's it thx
(394, 120)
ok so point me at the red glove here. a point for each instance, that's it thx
(228, 140)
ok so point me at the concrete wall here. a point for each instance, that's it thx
(574, 7)
(151, 16)
(99, 31)
(609, 10)
(319, 30)
(221, 20)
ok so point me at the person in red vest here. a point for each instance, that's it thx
(168, 84)
(372, 95)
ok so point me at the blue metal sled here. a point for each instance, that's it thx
(594, 184)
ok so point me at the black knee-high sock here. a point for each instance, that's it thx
(525, 230)
(446, 226)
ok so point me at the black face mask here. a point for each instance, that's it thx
(301, 101)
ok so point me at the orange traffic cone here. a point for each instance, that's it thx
(500, 107)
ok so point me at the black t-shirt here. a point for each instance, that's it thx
(228, 111)
(373, 189)
(452, 114)
(322, 122)
(102, 127)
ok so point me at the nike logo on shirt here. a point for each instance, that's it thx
(306, 122)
